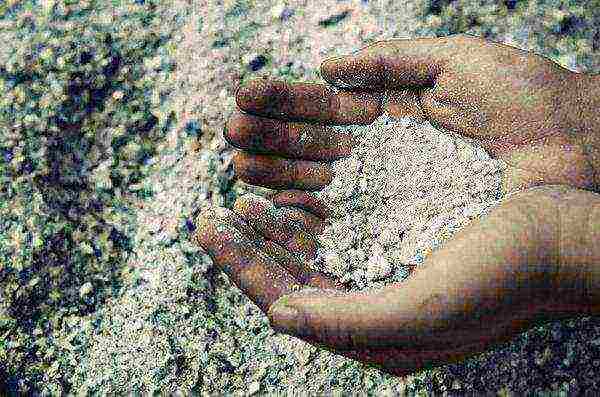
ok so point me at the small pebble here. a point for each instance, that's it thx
(253, 388)
(85, 289)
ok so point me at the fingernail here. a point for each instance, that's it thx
(286, 319)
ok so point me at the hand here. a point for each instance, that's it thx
(517, 104)
(498, 277)
(264, 249)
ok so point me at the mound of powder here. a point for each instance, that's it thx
(403, 191)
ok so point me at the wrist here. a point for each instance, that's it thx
(583, 115)
(571, 156)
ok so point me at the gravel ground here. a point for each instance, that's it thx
(182, 326)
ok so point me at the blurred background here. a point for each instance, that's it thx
(111, 121)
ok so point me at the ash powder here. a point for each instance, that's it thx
(403, 191)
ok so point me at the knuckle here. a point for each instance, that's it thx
(237, 127)
(290, 170)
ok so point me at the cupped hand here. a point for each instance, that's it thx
(516, 104)
(489, 283)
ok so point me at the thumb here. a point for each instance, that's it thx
(294, 314)
(344, 321)
(395, 63)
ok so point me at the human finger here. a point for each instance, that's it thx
(396, 63)
(294, 140)
(307, 102)
(259, 276)
(397, 359)
(280, 173)
(303, 200)
(296, 267)
(292, 228)
(286, 259)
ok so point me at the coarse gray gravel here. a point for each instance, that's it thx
(182, 326)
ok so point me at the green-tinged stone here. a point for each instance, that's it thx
(247, 32)
(334, 19)
(239, 8)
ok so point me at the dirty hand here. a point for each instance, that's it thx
(518, 105)
(496, 278)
